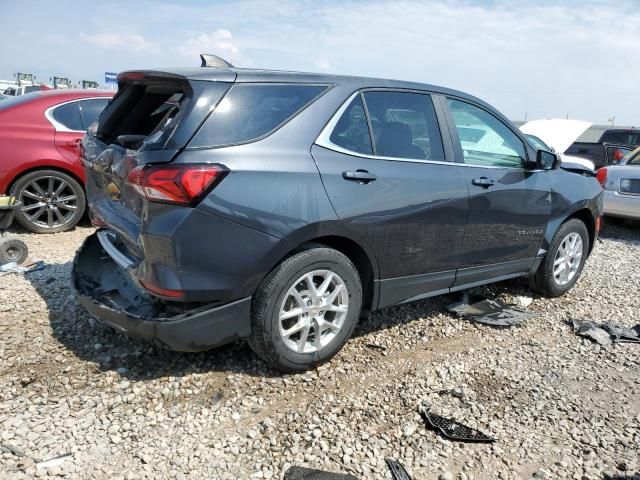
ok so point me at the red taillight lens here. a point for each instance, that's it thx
(601, 176)
(182, 184)
(618, 155)
(162, 292)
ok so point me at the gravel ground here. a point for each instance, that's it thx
(559, 405)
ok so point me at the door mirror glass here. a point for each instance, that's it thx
(547, 160)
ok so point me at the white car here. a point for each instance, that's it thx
(559, 134)
(621, 185)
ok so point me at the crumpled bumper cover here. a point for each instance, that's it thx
(109, 294)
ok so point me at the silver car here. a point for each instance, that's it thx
(621, 185)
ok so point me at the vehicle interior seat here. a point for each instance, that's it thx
(396, 140)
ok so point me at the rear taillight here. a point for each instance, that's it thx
(182, 184)
(618, 155)
(601, 176)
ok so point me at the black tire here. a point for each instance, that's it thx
(544, 281)
(266, 340)
(12, 250)
(48, 220)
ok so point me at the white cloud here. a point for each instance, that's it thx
(220, 43)
(131, 41)
(323, 64)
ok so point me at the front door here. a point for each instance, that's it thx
(399, 193)
(509, 205)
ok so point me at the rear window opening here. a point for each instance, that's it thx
(143, 114)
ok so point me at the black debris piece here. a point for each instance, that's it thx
(454, 430)
(489, 312)
(375, 347)
(301, 473)
(397, 469)
(606, 333)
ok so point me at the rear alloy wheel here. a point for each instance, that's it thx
(52, 201)
(564, 261)
(306, 309)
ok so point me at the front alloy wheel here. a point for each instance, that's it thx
(568, 259)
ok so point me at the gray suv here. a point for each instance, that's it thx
(281, 207)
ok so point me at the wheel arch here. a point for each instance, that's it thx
(57, 168)
(584, 214)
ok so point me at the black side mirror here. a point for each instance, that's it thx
(547, 160)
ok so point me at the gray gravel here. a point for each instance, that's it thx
(559, 405)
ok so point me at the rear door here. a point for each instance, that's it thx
(67, 122)
(509, 205)
(392, 182)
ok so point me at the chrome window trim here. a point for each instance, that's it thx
(59, 127)
(324, 140)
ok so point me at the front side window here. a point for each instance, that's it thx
(485, 140)
(351, 132)
(250, 111)
(404, 125)
(68, 115)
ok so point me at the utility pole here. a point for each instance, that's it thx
(612, 120)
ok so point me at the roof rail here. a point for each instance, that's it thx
(214, 61)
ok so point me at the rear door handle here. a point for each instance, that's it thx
(360, 176)
(483, 182)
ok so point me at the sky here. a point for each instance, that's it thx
(541, 59)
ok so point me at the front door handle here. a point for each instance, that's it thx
(360, 176)
(483, 182)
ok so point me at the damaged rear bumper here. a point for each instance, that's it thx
(108, 292)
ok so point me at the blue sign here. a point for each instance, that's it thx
(110, 77)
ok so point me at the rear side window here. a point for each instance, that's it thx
(351, 132)
(90, 109)
(250, 111)
(622, 138)
(68, 115)
(404, 125)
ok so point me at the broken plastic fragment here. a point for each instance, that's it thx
(13, 267)
(606, 333)
(489, 312)
(53, 462)
(454, 430)
(301, 473)
(397, 470)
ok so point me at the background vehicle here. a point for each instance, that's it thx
(621, 185)
(557, 135)
(613, 145)
(39, 163)
(24, 89)
(274, 206)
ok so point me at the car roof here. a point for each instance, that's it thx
(242, 75)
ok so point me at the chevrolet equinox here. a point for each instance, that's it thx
(281, 207)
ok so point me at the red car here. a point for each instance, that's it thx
(40, 134)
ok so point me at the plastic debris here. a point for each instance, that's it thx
(301, 473)
(489, 312)
(374, 346)
(398, 471)
(606, 333)
(53, 462)
(13, 267)
(454, 430)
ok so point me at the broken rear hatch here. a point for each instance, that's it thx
(149, 121)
